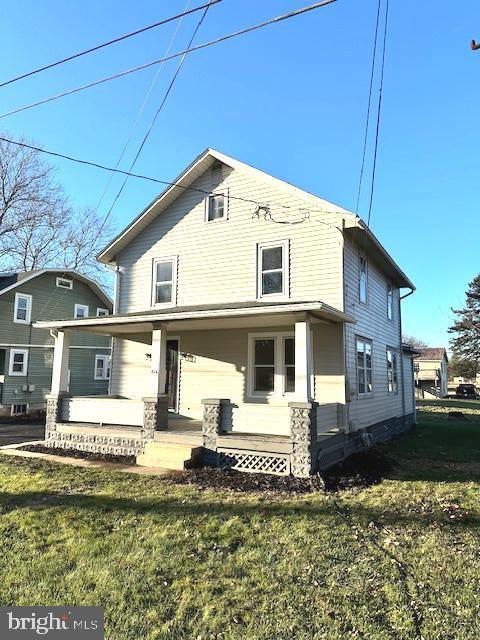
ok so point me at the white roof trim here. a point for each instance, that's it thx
(65, 272)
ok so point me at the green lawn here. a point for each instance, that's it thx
(397, 560)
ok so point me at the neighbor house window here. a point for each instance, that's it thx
(102, 312)
(216, 207)
(23, 308)
(272, 261)
(392, 371)
(363, 279)
(19, 409)
(364, 367)
(102, 367)
(18, 362)
(81, 311)
(164, 281)
(64, 283)
(389, 302)
(271, 364)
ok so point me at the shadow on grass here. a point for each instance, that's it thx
(452, 403)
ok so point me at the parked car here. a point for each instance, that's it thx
(466, 391)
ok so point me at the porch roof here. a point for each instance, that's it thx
(202, 316)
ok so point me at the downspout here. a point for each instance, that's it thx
(412, 289)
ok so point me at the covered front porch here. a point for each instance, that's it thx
(256, 387)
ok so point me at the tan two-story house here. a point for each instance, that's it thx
(255, 326)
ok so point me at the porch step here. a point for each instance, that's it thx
(169, 456)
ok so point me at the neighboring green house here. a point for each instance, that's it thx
(26, 353)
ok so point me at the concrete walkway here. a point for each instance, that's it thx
(14, 450)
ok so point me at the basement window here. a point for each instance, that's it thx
(19, 409)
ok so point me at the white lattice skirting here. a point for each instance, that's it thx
(254, 461)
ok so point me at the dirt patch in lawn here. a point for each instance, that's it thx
(75, 453)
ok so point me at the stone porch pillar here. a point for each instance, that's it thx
(212, 421)
(155, 415)
(303, 434)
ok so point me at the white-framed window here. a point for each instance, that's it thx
(102, 367)
(364, 367)
(271, 364)
(363, 279)
(164, 282)
(216, 206)
(23, 308)
(102, 312)
(392, 377)
(19, 409)
(18, 365)
(81, 311)
(390, 301)
(272, 269)
(64, 283)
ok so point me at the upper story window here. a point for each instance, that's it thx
(102, 312)
(102, 367)
(271, 369)
(392, 371)
(64, 283)
(23, 308)
(363, 279)
(389, 301)
(164, 281)
(364, 367)
(272, 267)
(81, 311)
(18, 362)
(216, 206)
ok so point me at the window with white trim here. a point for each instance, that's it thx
(392, 377)
(389, 301)
(19, 409)
(271, 369)
(64, 283)
(81, 311)
(164, 286)
(363, 279)
(102, 312)
(216, 206)
(272, 269)
(364, 367)
(102, 367)
(23, 308)
(18, 364)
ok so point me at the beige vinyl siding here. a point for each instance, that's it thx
(372, 324)
(217, 260)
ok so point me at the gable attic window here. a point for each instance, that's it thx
(81, 311)
(164, 283)
(216, 207)
(363, 279)
(389, 301)
(23, 308)
(64, 283)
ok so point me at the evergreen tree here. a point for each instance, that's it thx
(466, 328)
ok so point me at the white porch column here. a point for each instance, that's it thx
(303, 361)
(60, 363)
(159, 361)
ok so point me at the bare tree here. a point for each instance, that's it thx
(38, 225)
(414, 342)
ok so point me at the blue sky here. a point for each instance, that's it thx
(289, 99)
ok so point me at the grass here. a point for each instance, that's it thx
(398, 560)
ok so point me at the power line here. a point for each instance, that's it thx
(204, 45)
(152, 124)
(379, 112)
(107, 44)
(157, 180)
(370, 95)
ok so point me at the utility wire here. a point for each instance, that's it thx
(379, 112)
(370, 95)
(107, 44)
(152, 124)
(204, 45)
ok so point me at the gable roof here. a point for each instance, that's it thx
(203, 162)
(432, 353)
(12, 280)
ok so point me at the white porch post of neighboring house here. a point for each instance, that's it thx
(303, 425)
(156, 404)
(60, 363)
